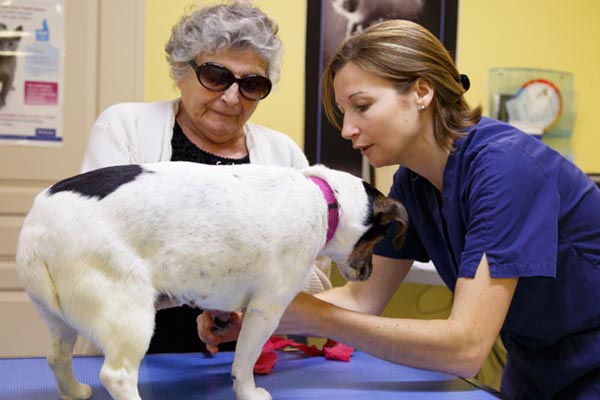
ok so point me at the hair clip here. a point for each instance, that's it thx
(465, 82)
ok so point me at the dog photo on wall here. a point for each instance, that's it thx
(346, 17)
(9, 42)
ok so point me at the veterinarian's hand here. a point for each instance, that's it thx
(212, 335)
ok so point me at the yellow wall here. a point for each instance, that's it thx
(551, 34)
(283, 110)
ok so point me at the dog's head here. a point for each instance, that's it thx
(365, 215)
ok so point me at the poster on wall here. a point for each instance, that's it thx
(329, 22)
(32, 42)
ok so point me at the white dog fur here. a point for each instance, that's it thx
(98, 250)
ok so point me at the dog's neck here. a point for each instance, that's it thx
(333, 218)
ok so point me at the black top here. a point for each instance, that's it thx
(175, 328)
(185, 150)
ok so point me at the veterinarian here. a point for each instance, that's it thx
(224, 60)
(512, 227)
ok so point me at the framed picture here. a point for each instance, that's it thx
(329, 22)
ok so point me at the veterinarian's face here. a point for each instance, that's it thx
(382, 123)
(220, 116)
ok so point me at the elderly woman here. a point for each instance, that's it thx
(223, 59)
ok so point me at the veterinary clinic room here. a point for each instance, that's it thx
(299, 199)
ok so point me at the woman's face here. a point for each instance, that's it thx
(220, 116)
(381, 122)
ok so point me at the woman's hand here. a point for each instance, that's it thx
(212, 335)
(296, 320)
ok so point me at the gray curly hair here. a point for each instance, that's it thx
(234, 25)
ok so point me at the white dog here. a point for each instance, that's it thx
(98, 250)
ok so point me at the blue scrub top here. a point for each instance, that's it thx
(537, 217)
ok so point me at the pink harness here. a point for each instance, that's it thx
(333, 217)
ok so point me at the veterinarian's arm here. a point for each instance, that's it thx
(372, 295)
(457, 345)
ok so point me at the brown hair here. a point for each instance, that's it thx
(402, 51)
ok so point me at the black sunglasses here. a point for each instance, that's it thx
(217, 78)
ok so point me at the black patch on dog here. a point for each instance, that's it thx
(375, 233)
(100, 182)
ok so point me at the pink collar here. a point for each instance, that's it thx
(333, 217)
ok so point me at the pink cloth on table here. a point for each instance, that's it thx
(331, 350)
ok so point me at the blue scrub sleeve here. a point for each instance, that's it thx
(513, 206)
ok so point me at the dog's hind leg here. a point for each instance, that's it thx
(260, 321)
(60, 360)
(125, 340)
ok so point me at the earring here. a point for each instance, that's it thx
(422, 107)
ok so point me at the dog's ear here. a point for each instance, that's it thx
(385, 211)
(390, 210)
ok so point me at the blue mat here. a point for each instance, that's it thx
(197, 376)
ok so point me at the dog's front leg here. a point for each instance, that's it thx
(260, 321)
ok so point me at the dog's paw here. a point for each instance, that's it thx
(81, 392)
(254, 394)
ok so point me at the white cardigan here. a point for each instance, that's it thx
(134, 133)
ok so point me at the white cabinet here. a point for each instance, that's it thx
(104, 43)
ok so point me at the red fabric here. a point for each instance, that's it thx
(331, 350)
(337, 351)
(264, 364)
